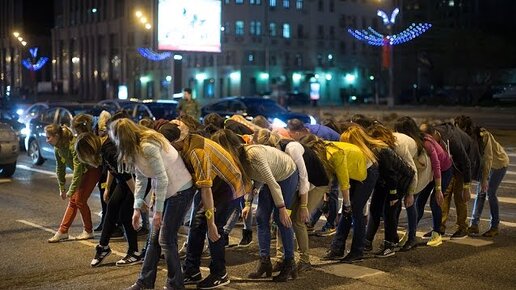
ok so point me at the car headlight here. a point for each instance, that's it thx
(277, 123)
(19, 112)
(25, 131)
(313, 121)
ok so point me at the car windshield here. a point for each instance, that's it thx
(263, 107)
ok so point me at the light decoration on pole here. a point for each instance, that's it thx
(37, 65)
(152, 55)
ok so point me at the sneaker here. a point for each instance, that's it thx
(492, 232)
(182, 251)
(368, 246)
(326, 232)
(333, 255)
(303, 266)
(100, 254)
(403, 240)
(247, 239)
(459, 235)
(411, 243)
(435, 241)
(129, 259)
(473, 230)
(98, 229)
(135, 286)
(117, 234)
(213, 281)
(386, 251)
(192, 279)
(428, 235)
(58, 237)
(352, 258)
(310, 230)
(84, 236)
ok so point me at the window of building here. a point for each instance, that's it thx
(320, 5)
(300, 31)
(226, 1)
(255, 28)
(250, 57)
(332, 32)
(239, 27)
(299, 60)
(332, 6)
(227, 28)
(286, 3)
(272, 29)
(320, 31)
(319, 59)
(272, 3)
(239, 1)
(273, 60)
(364, 22)
(286, 30)
(255, 2)
(299, 4)
(287, 59)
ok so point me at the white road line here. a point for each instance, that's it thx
(508, 224)
(5, 180)
(47, 172)
(511, 154)
(511, 200)
(511, 172)
(509, 181)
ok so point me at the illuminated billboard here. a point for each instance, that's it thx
(189, 25)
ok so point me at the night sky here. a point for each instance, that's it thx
(38, 16)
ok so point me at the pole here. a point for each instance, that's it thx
(216, 76)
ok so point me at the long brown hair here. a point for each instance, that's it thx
(379, 131)
(82, 123)
(88, 147)
(63, 133)
(235, 147)
(319, 147)
(128, 137)
(357, 136)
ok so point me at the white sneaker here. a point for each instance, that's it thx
(84, 236)
(58, 237)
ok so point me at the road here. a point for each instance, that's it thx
(30, 212)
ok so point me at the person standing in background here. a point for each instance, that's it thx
(189, 106)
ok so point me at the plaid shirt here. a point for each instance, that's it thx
(208, 160)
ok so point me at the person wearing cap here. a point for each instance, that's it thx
(220, 180)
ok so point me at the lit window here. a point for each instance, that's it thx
(255, 28)
(250, 57)
(239, 27)
(255, 2)
(272, 3)
(286, 30)
(239, 1)
(299, 4)
(272, 29)
(286, 3)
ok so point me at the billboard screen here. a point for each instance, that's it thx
(189, 25)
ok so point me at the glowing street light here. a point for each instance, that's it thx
(148, 26)
(24, 43)
(16, 34)
(138, 13)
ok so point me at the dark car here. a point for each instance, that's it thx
(9, 148)
(162, 109)
(249, 107)
(136, 109)
(37, 147)
(11, 119)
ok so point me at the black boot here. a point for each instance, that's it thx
(288, 270)
(247, 238)
(265, 266)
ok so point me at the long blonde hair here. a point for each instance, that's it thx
(266, 137)
(63, 133)
(357, 136)
(128, 137)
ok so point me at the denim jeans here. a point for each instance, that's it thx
(198, 231)
(359, 194)
(421, 200)
(235, 215)
(495, 178)
(263, 214)
(166, 239)
(380, 206)
(333, 201)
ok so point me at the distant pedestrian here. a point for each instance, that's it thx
(189, 106)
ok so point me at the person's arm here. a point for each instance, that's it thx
(340, 164)
(295, 150)
(60, 171)
(436, 169)
(78, 171)
(152, 154)
(109, 181)
(209, 212)
(487, 160)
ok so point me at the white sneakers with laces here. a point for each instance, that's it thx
(58, 237)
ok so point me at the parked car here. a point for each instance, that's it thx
(162, 109)
(37, 147)
(508, 94)
(136, 109)
(9, 149)
(31, 112)
(249, 107)
(11, 119)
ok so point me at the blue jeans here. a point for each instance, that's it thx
(495, 178)
(198, 231)
(333, 200)
(166, 239)
(263, 215)
(416, 211)
(235, 215)
(359, 194)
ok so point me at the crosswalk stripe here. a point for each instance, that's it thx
(52, 173)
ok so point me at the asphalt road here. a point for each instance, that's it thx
(31, 209)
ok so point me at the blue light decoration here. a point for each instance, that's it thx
(30, 65)
(373, 37)
(152, 55)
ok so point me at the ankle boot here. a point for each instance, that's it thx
(288, 270)
(265, 266)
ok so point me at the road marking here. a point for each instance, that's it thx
(47, 172)
(511, 154)
(509, 181)
(472, 242)
(511, 200)
(511, 172)
(5, 180)
(509, 224)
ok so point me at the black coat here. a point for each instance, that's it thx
(395, 173)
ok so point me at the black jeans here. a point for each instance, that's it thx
(198, 231)
(380, 206)
(119, 208)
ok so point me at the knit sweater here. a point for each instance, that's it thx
(67, 157)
